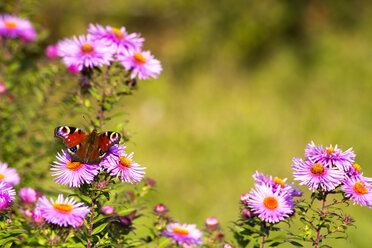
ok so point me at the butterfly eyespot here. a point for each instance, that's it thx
(113, 136)
(101, 153)
(65, 129)
(73, 149)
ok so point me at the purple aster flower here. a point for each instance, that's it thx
(72, 173)
(14, 26)
(7, 194)
(62, 212)
(116, 36)
(28, 195)
(85, 52)
(330, 156)
(8, 175)
(142, 63)
(37, 215)
(270, 206)
(119, 164)
(359, 191)
(316, 175)
(186, 233)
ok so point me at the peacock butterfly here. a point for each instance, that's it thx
(84, 147)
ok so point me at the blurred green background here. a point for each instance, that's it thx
(246, 85)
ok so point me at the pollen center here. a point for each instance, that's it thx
(317, 169)
(125, 162)
(74, 166)
(360, 188)
(330, 151)
(270, 202)
(10, 25)
(2, 176)
(87, 48)
(138, 58)
(62, 207)
(118, 34)
(180, 231)
(357, 167)
(279, 181)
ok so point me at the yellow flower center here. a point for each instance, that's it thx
(10, 25)
(180, 231)
(279, 181)
(124, 162)
(360, 188)
(330, 151)
(74, 166)
(62, 207)
(2, 176)
(317, 169)
(357, 167)
(118, 34)
(139, 59)
(87, 48)
(270, 202)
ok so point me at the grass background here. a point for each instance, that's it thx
(246, 85)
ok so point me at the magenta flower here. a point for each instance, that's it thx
(211, 223)
(28, 195)
(2, 89)
(117, 37)
(270, 206)
(186, 233)
(85, 52)
(37, 215)
(14, 26)
(51, 52)
(316, 175)
(107, 210)
(142, 63)
(62, 212)
(121, 165)
(7, 194)
(359, 191)
(72, 174)
(330, 156)
(8, 175)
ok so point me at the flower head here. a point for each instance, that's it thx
(142, 63)
(37, 215)
(316, 174)
(14, 26)
(330, 156)
(8, 175)
(72, 173)
(270, 206)
(211, 223)
(62, 212)
(359, 191)
(51, 52)
(186, 233)
(121, 165)
(7, 194)
(117, 37)
(85, 52)
(28, 195)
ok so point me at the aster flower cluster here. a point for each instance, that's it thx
(16, 27)
(272, 199)
(103, 45)
(117, 163)
(329, 168)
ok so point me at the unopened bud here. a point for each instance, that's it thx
(211, 223)
(244, 198)
(246, 214)
(107, 210)
(160, 209)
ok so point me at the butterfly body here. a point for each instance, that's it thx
(84, 147)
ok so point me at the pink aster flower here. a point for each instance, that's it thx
(37, 215)
(8, 175)
(72, 173)
(28, 195)
(330, 156)
(186, 233)
(51, 52)
(117, 37)
(7, 194)
(85, 52)
(142, 63)
(316, 175)
(270, 206)
(118, 163)
(359, 191)
(14, 26)
(62, 212)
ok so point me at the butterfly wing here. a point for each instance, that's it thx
(72, 138)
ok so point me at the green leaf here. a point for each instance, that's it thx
(164, 242)
(296, 243)
(99, 228)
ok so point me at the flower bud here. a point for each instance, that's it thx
(244, 198)
(150, 181)
(211, 223)
(28, 195)
(227, 246)
(73, 69)
(51, 52)
(26, 213)
(246, 214)
(37, 215)
(107, 210)
(160, 209)
(220, 236)
(2, 88)
(186, 245)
